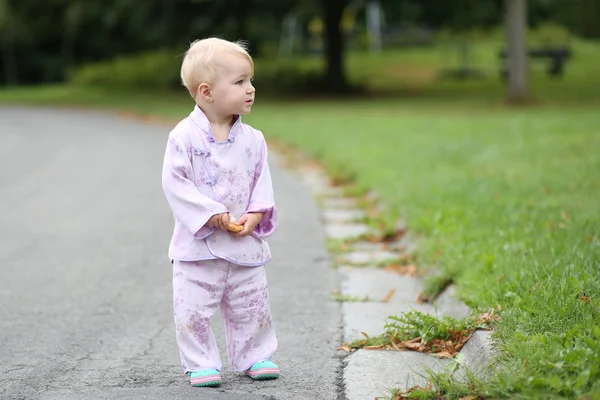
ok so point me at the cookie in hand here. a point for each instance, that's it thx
(234, 227)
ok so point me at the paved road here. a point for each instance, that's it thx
(85, 285)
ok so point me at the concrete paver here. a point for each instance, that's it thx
(370, 374)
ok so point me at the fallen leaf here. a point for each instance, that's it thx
(450, 346)
(412, 346)
(389, 295)
(487, 317)
(443, 354)
(469, 397)
(409, 270)
(378, 347)
(345, 348)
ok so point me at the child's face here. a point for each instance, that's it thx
(232, 90)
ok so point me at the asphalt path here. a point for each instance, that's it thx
(85, 283)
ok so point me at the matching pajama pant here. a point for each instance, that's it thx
(199, 287)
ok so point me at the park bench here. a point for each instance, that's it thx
(557, 56)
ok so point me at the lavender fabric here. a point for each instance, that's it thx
(202, 177)
(199, 287)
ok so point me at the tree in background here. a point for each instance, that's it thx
(41, 40)
(516, 29)
(334, 45)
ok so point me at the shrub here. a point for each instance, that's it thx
(149, 70)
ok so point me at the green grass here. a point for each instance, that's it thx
(418, 325)
(505, 198)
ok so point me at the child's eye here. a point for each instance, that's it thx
(239, 82)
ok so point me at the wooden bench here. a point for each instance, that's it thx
(557, 58)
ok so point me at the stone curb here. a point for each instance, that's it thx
(369, 374)
(479, 354)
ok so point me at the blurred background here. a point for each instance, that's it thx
(386, 47)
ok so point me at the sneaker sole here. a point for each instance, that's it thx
(204, 381)
(263, 373)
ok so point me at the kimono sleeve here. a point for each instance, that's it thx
(262, 198)
(190, 207)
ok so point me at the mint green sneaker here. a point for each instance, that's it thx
(263, 370)
(205, 377)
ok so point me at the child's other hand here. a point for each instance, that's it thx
(219, 221)
(249, 221)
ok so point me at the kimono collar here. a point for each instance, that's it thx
(199, 119)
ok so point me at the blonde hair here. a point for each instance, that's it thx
(199, 63)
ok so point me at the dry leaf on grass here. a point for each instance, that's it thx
(347, 349)
(488, 317)
(401, 395)
(412, 346)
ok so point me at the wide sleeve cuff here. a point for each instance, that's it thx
(268, 225)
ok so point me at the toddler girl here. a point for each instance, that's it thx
(215, 171)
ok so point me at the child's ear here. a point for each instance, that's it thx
(204, 92)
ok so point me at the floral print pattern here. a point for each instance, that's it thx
(199, 288)
(203, 177)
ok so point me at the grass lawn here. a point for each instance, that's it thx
(506, 199)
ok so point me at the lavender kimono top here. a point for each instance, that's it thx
(202, 177)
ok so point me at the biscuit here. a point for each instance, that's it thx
(235, 228)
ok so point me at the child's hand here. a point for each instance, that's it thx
(249, 222)
(219, 221)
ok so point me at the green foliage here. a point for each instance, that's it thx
(416, 324)
(45, 39)
(151, 70)
(345, 298)
(549, 35)
(379, 340)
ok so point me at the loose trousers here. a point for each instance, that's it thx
(199, 287)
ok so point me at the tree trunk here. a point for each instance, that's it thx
(241, 15)
(516, 31)
(334, 45)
